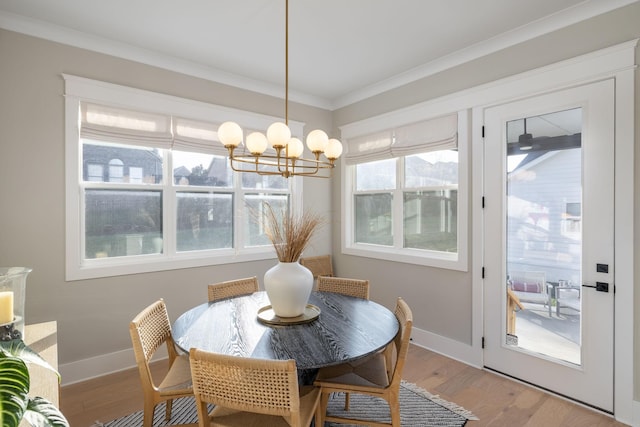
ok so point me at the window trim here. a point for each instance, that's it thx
(80, 89)
(457, 261)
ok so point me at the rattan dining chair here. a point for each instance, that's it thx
(149, 330)
(319, 265)
(379, 376)
(250, 392)
(353, 287)
(232, 288)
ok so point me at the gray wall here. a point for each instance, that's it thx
(93, 315)
(442, 299)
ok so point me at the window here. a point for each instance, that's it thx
(150, 191)
(116, 170)
(94, 172)
(404, 193)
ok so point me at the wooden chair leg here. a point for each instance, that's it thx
(319, 418)
(322, 408)
(168, 407)
(147, 417)
(203, 414)
(394, 406)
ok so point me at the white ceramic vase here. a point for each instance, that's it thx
(288, 286)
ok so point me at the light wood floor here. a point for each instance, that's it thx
(495, 400)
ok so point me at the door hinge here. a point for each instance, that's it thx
(482, 342)
(483, 131)
(482, 202)
(483, 272)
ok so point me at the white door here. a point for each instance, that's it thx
(548, 241)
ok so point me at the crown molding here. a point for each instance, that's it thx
(63, 35)
(564, 18)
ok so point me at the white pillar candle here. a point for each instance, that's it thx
(6, 307)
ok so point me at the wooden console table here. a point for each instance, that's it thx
(43, 338)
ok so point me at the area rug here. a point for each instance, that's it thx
(418, 408)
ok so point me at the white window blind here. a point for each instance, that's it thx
(197, 136)
(429, 135)
(112, 124)
(117, 125)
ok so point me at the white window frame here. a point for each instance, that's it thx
(454, 261)
(80, 89)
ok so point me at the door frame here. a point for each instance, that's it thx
(617, 62)
(589, 380)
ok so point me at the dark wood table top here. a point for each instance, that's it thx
(348, 328)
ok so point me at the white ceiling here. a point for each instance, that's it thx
(340, 51)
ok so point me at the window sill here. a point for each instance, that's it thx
(449, 261)
(109, 267)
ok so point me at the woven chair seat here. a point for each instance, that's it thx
(178, 379)
(368, 372)
(231, 417)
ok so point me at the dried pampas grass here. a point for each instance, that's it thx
(290, 234)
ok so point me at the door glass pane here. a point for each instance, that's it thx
(544, 234)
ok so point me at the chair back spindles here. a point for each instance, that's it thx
(319, 265)
(353, 287)
(251, 389)
(149, 330)
(232, 288)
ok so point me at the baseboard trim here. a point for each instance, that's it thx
(452, 349)
(86, 369)
(98, 366)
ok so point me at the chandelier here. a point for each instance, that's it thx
(287, 160)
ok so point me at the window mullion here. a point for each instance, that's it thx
(239, 203)
(169, 207)
(398, 211)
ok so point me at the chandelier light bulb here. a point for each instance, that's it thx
(295, 148)
(230, 134)
(256, 143)
(278, 135)
(333, 150)
(287, 161)
(317, 140)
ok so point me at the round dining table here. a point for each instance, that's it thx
(346, 329)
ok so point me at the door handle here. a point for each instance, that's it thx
(599, 286)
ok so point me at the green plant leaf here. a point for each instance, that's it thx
(18, 348)
(42, 413)
(14, 386)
